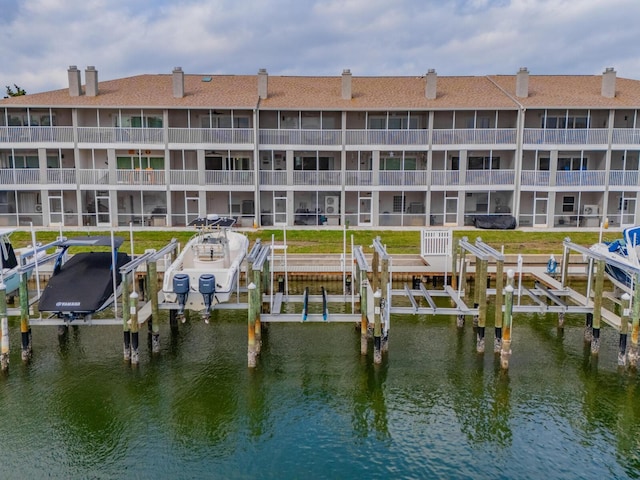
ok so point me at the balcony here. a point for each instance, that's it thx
(623, 178)
(580, 178)
(490, 177)
(576, 136)
(144, 136)
(387, 137)
(535, 178)
(626, 136)
(91, 176)
(19, 176)
(221, 177)
(359, 178)
(61, 176)
(448, 177)
(329, 178)
(417, 178)
(474, 136)
(300, 137)
(36, 134)
(183, 177)
(140, 177)
(270, 177)
(228, 136)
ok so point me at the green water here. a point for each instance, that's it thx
(316, 408)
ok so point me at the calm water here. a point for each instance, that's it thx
(314, 408)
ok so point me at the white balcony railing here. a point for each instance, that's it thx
(300, 137)
(211, 135)
(627, 136)
(387, 137)
(408, 178)
(317, 178)
(623, 178)
(449, 177)
(140, 177)
(59, 176)
(577, 178)
(354, 177)
(120, 135)
(490, 177)
(474, 136)
(536, 178)
(573, 136)
(183, 177)
(19, 176)
(270, 177)
(90, 176)
(36, 134)
(221, 177)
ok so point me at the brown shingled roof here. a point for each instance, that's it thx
(388, 93)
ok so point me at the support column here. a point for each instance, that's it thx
(497, 343)
(597, 307)
(377, 328)
(152, 286)
(25, 328)
(251, 328)
(258, 282)
(624, 329)
(126, 316)
(4, 325)
(133, 307)
(505, 350)
(384, 281)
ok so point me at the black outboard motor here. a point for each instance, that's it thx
(207, 287)
(181, 289)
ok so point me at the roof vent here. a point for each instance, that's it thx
(263, 83)
(432, 84)
(609, 83)
(346, 84)
(522, 83)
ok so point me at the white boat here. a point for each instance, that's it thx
(206, 271)
(621, 253)
(12, 258)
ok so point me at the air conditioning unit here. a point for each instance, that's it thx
(331, 205)
(591, 210)
(38, 208)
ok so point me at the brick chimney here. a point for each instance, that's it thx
(522, 83)
(346, 84)
(432, 83)
(263, 83)
(178, 82)
(609, 83)
(75, 83)
(91, 80)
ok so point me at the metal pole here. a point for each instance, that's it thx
(364, 319)
(133, 308)
(482, 301)
(126, 312)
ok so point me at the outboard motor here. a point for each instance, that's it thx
(207, 287)
(181, 289)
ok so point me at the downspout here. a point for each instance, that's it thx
(256, 166)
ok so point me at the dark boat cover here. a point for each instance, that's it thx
(498, 222)
(83, 283)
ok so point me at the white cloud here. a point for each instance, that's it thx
(41, 38)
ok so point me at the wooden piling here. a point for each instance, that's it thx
(375, 270)
(377, 328)
(624, 329)
(25, 328)
(4, 325)
(364, 319)
(497, 344)
(632, 355)
(133, 307)
(454, 262)
(505, 349)
(258, 278)
(597, 307)
(481, 281)
(384, 301)
(126, 316)
(251, 328)
(152, 286)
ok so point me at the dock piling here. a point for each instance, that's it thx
(133, 306)
(632, 355)
(126, 351)
(154, 321)
(505, 348)
(251, 328)
(497, 344)
(482, 301)
(377, 328)
(4, 324)
(25, 328)
(364, 319)
(597, 307)
(624, 329)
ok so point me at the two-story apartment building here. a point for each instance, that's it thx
(156, 150)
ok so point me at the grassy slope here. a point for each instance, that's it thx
(331, 241)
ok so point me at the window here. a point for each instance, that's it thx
(310, 120)
(565, 122)
(484, 163)
(568, 204)
(544, 163)
(398, 203)
(572, 163)
(139, 122)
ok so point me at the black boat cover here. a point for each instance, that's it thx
(498, 222)
(83, 284)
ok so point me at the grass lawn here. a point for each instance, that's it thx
(331, 241)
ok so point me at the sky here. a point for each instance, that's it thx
(40, 39)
